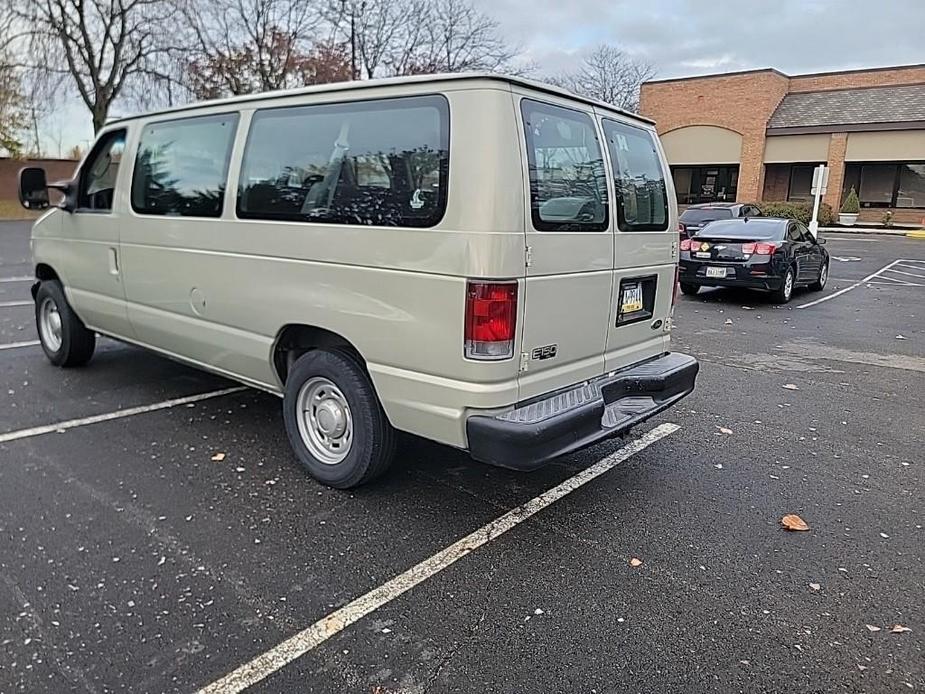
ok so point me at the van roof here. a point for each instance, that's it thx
(385, 82)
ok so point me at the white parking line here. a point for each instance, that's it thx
(910, 274)
(11, 304)
(296, 646)
(118, 414)
(849, 288)
(17, 345)
(24, 278)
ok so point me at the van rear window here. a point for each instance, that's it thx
(642, 201)
(568, 185)
(377, 163)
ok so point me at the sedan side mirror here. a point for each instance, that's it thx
(820, 240)
(33, 188)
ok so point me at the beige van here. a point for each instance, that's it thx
(483, 261)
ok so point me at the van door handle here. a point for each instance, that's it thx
(113, 261)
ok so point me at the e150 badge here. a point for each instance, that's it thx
(545, 352)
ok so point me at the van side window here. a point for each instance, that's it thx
(568, 188)
(99, 173)
(642, 201)
(377, 163)
(182, 166)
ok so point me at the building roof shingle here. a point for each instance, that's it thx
(851, 107)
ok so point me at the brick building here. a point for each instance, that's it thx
(758, 134)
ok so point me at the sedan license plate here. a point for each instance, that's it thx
(716, 272)
(631, 301)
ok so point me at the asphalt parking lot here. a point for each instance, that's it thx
(130, 560)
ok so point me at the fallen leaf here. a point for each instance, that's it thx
(748, 308)
(790, 386)
(793, 522)
(724, 430)
(635, 562)
(901, 337)
(815, 586)
(871, 627)
(862, 668)
(899, 629)
(218, 457)
(728, 321)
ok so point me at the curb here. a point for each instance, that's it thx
(868, 231)
(916, 234)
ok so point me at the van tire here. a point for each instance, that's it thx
(689, 289)
(65, 340)
(348, 404)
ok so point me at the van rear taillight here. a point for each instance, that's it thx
(491, 317)
(677, 282)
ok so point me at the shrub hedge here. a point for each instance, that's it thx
(800, 211)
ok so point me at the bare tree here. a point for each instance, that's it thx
(99, 47)
(245, 46)
(405, 37)
(609, 74)
(462, 38)
(12, 110)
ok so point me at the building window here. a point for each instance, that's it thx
(898, 184)
(911, 191)
(182, 165)
(695, 184)
(801, 183)
(790, 182)
(374, 163)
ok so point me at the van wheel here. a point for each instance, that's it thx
(689, 289)
(65, 339)
(334, 420)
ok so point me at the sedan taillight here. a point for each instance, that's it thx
(765, 248)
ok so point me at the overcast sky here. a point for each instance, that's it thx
(687, 37)
(684, 37)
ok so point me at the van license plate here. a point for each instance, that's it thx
(716, 272)
(631, 301)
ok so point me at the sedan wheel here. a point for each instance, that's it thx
(782, 295)
(819, 284)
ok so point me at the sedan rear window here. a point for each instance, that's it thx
(700, 216)
(753, 230)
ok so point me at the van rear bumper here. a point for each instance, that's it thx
(563, 422)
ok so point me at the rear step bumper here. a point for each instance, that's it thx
(534, 433)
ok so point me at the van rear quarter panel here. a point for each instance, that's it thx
(397, 294)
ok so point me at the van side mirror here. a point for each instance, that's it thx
(33, 188)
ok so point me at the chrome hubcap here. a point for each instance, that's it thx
(50, 324)
(824, 275)
(788, 285)
(325, 421)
